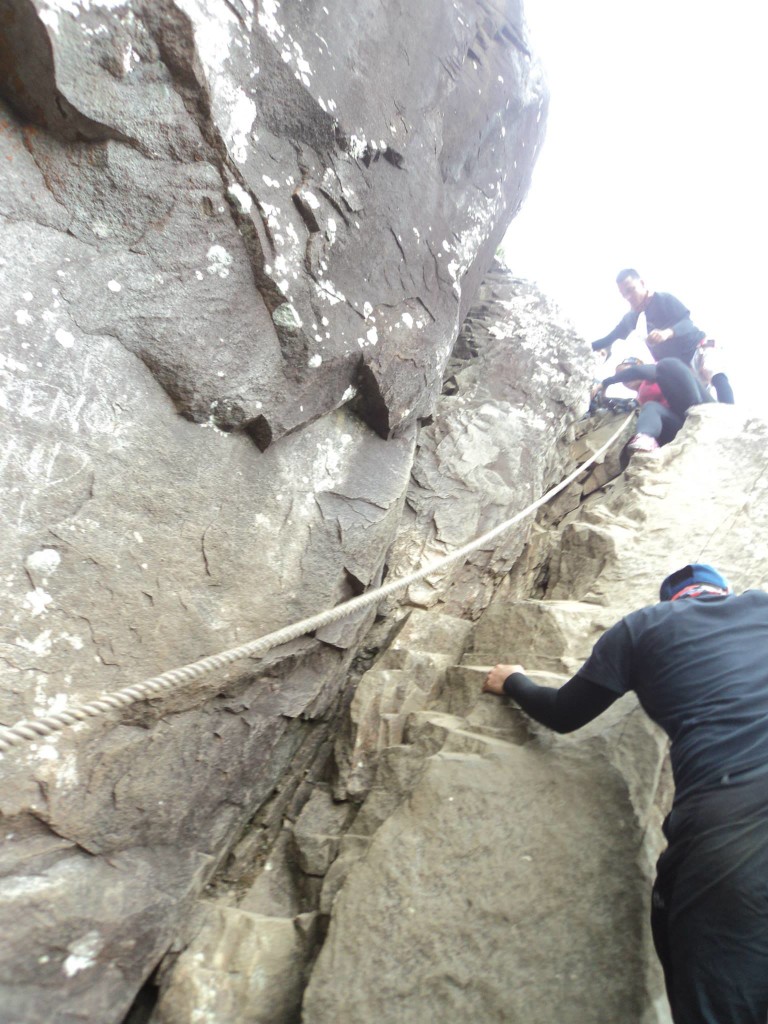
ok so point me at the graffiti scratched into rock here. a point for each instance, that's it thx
(46, 403)
(43, 464)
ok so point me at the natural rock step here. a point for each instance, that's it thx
(467, 874)
(432, 632)
(239, 960)
(549, 636)
(408, 677)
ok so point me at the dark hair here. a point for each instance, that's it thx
(624, 274)
(631, 361)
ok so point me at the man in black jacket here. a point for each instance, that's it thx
(671, 332)
(698, 662)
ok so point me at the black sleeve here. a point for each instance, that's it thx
(566, 709)
(683, 327)
(665, 311)
(646, 371)
(605, 342)
(623, 329)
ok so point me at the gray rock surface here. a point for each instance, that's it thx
(268, 205)
(464, 875)
(407, 678)
(316, 832)
(237, 244)
(510, 324)
(487, 454)
(514, 865)
(240, 967)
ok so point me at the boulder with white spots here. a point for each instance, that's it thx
(214, 163)
(238, 241)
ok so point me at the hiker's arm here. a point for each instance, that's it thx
(622, 330)
(570, 707)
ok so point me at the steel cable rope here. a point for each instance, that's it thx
(32, 729)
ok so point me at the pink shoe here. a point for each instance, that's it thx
(642, 443)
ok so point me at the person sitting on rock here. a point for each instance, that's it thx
(697, 663)
(670, 332)
(665, 390)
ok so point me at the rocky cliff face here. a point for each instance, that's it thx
(471, 865)
(238, 243)
(494, 870)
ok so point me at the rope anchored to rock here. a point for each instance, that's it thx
(37, 728)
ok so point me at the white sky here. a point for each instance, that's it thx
(655, 157)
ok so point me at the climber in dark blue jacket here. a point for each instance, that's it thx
(697, 662)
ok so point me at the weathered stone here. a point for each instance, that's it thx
(442, 635)
(462, 684)
(110, 919)
(317, 831)
(240, 968)
(549, 636)
(379, 711)
(275, 892)
(213, 241)
(488, 455)
(697, 499)
(351, 849)
(457, 873)
(471, 879)
(397, 771)
(408, 677)
(241, 152)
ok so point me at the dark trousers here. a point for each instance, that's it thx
(681, 390)
(710, 907)
(679, 385)
(658, 421)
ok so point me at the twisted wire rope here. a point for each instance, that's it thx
(35, 728)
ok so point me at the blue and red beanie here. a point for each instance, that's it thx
(697, 577)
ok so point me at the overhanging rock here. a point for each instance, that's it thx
(272, 206)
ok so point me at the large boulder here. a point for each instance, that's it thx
(270, 207)
(458, 909)
(238, 241)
